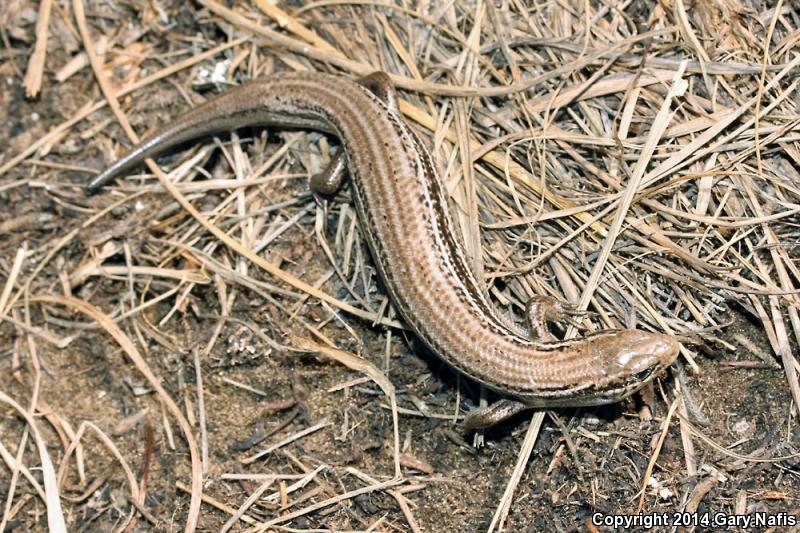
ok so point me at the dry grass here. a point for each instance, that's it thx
(640, 160)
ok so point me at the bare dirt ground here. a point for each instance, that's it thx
(537, 126)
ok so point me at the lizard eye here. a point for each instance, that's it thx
(643, 375)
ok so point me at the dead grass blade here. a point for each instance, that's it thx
(141, 365)
(55, 515)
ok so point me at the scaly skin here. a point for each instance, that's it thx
(404, 215)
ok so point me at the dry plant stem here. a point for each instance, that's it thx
(729, 453)
(286, 21)
(201, 411)
(784, 349)
(33, 75)
(63, 242)
(252, 257)
(358, 364)
(108, 443)
(654, 457)
(246, 505)
(17, 463)
(501, 513)
(130, 350)
(197, 488)
(659, 125)
(291, 438)
(692, 151)
(14, 511)
(398, 495)
(55, 515)
(218, 504)
(265, 526)
(699, 491)
(91, 107)
(686, 440)
(517, 172)
(13, 464)
(184, 276)
(19, 257)
(404, 82)
(406, 509)
(22, 445)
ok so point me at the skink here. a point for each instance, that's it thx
(404, 214)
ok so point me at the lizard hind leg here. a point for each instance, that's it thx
(330, 180)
